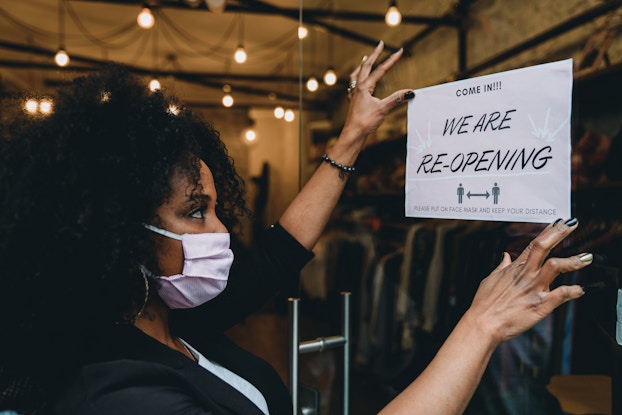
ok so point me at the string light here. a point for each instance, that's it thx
(154, 85)
(302, 32)
(240, 53)
(289, 115)
(250, 136)
(45, 106)
(393, 16)
(227, 99)
(61, 58)
(312, 84)
(279, 112)
(145, 19)
(330, 77)
(31, 106)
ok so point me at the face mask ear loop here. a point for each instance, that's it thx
(162, 232)
(142, 308)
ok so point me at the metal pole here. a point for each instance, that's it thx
(293, 351)
(346, 351)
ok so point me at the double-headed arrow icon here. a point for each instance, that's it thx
(478, 194)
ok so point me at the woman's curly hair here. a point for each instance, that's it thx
(75, 189)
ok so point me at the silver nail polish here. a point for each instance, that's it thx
(587, 257)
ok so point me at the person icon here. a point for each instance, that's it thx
(495, 193)
(460, 192)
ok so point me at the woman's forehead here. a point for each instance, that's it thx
(184, 183)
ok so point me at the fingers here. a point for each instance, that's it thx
(364, 77)
(556, 266)
(382, 69)
(354, 75)
(534, 255)
(505, 261)
(560, 295)
(367, 64)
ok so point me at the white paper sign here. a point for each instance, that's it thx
(496, 147)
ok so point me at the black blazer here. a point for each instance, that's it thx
(128, 372)
(132, 373)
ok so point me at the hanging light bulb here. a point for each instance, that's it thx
(393, 16)
(61, 58)
(45, 106)
(145, 19)
(250, 135)
(240, 54)
(279, 112)
(312, 84)
(154, 85)
(31, 106)
(302, 32)
(289, 115)
(227, 100)
(330, 77)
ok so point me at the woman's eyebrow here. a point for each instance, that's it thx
(200, 197)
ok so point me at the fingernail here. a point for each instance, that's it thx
(364, 58)
(409, 95)
(590, 288)
(571, 222)
(586, 257)
(556, 222)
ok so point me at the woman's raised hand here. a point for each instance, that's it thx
(367, 112)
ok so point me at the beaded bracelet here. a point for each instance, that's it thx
(345, 169)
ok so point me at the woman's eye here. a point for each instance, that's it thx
(198, 213)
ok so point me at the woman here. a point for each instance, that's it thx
(115, 253)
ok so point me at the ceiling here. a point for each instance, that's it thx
(190, 49)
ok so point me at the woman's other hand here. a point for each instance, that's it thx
(517, 294)
(513, 298)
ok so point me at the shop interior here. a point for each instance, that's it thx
(410, 279)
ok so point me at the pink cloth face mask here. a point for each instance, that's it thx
(207, 261)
